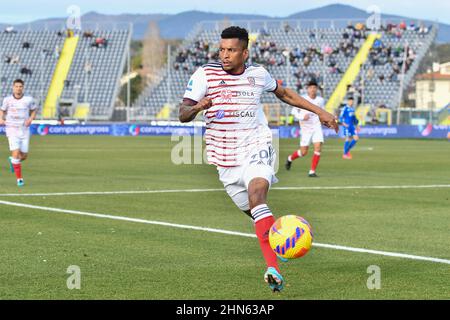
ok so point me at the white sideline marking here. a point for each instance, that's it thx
(235, 233)
(84, 193)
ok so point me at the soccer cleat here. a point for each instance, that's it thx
(347, 156)
(274, 279)
(20, 183)
(313, 175)
(288, 164)
(11, 167)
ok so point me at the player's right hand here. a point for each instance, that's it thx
(2, 122)
(329, 120)
(204, 104)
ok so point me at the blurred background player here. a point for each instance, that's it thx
(310, 129)
(238, 138)
(20, 111)
(350, 123)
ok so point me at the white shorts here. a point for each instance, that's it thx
(18, 138)
(307, 136)
(259, 164)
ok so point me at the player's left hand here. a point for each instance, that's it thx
(329, 120)
(28, 122)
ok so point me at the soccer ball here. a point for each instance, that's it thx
(291, 236)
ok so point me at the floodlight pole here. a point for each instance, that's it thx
(41, 78)
(128, 78)
(288, 81)
(400, 93)
(85, 77)
(129, 71)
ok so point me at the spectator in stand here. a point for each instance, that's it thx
(99, 42)
(10, 29)
(15, 59)
(412, 26)
(26, 45)
(88, 34)
(287, 28)
(57, 52)
(299, 85)
(88, 67)
(370, 73)
(26, 71)
(422, 30)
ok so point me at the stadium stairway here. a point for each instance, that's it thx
(351, 73)
(59, 76)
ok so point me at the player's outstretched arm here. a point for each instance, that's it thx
(2, 114)
(190, 108)
(290, 97)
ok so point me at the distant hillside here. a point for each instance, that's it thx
(179, 25)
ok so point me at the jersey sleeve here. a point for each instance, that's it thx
(3, 106)
(342, 115)
(299, 114)
(32, 105)
(322, 103)
(270, 83)
(197, 86)
(296, 113)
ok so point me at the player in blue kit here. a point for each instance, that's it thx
(350, 123)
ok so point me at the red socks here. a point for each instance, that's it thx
(295, 155)
(17, 168)
(264, 219)
(315, 161)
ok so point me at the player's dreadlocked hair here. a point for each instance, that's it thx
(236, 32)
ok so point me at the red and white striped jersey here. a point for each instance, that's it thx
(235, 124)
(313, 122)
(17, 110)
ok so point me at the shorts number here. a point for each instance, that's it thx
(262, 157)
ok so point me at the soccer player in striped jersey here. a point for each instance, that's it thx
(311, 130)
(238, 138)
(19, 111)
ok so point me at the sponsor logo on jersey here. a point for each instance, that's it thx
(244, 94)
(243, 114)
(220, 114)
(226, 95)
(222, 83)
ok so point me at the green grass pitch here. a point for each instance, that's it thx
(130, 260)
